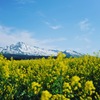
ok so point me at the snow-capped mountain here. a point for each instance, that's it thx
(72, 53)
(21, 48)
(1, 49)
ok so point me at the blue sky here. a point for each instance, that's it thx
(53, 24)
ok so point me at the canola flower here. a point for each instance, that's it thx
(46, 95)
(89, 87)
(59, 97)
(50, 79)
(36, 87)
(67, 89)
(75, 79)
(75, 82)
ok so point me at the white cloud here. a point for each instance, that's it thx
(9, 35)
(47, 23)
(85, 43)
(54, 27)
(7, 39)
(84, 24)
(83, 39)
(4, 29)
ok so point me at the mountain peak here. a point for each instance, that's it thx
(20, 44)
(23, 49)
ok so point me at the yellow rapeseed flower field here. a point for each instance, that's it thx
(50, 79)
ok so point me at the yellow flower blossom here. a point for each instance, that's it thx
(27, 79)
(45, 95)
(59, 97)
(36, 87)
(75, 80)
(66, 88)
(89, 98)
(89, 87)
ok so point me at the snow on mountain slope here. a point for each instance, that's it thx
(21, 48)
(72, 53)
(1, 49)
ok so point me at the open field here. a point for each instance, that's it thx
(50, 79)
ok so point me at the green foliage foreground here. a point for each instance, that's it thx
(50, 79)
